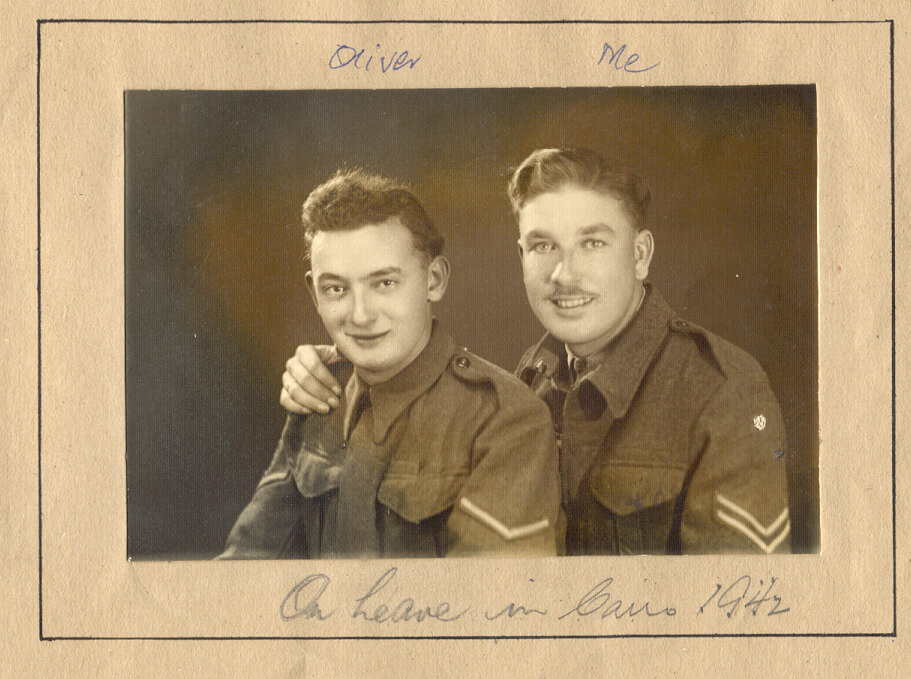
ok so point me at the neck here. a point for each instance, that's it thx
(587, 350)
(373, 377)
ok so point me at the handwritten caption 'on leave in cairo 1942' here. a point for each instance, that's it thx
(311, 599)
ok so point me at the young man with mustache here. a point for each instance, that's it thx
(671, 440)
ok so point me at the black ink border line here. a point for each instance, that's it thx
(40, 22)
(526, 22)
(38, 249)
(490, 637)
(892, 201)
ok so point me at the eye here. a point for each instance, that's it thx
(542, 247)
(334, 290)
(385, 284)
(593, 243)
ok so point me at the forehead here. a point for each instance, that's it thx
(572, 209)
(363, 250)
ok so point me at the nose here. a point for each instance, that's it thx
(362, 312)
(563, 273)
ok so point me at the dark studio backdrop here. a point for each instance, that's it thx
(215, 293)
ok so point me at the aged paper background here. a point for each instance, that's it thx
(99, 615)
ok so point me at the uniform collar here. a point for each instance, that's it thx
(617, 370)
(389, 399)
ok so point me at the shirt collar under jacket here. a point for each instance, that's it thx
(594, 360)
(617, 370)
(389, 399)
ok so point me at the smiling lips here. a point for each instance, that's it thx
(368, 339)
(571, 301)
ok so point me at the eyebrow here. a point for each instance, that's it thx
(327, 277)
(535, 233)
(600, 227)
(388, 271)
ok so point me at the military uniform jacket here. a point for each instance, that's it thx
(672, 443)
(452, 456)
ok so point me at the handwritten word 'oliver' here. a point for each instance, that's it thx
(345, 55)
(616, 59)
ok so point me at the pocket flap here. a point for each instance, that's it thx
(315, 474)
(628, 488)
(418, 497)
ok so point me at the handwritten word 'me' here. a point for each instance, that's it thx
(345, 55)
(615, 59)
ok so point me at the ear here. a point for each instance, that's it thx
(521, 249)
(311, 288)
(437, 278)
(643, 248)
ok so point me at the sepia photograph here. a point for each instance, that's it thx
(528, 342)
(474, 322)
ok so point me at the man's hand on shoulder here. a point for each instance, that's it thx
(307, 385)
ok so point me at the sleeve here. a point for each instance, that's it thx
(738, 496)
(510, 504)
(266, 527)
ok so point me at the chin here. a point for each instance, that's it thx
(574, 339)
(570, 331)
(567, 333)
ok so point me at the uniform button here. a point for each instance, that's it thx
(344, 444)
(682, 324)
(462, 362)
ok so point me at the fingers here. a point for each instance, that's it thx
(314, 359)
(288, 404)
(307, 386)
(297, 399)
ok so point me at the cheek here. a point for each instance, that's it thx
(403, 303)
(611, 268)
(537, 268)
(332, 312)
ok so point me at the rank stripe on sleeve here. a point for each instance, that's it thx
(753, 529)
(506, 533)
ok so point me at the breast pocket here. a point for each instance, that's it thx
(634, 507)
(415, 511)
(419, 496)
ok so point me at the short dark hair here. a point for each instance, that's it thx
(547, 170)
(354, 198)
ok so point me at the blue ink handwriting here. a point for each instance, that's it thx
(616, 59)
(346, 55)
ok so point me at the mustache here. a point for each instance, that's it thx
(560, 291)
